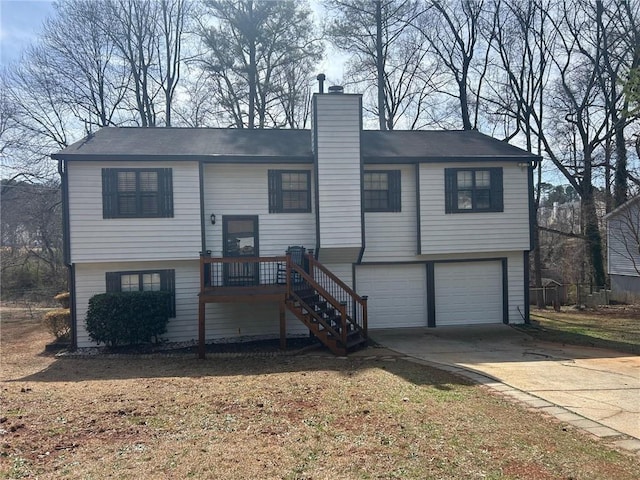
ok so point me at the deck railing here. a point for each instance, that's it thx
(241, 271)
(282, 270)
(355, 305)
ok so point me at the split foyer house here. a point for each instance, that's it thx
(399, 228)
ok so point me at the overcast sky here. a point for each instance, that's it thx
(20, 22)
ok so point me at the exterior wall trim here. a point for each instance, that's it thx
(418, 214)
(527, 299)
(73, 306)
(505, 292)
(203, 233)
(431, 294)
(362, 226)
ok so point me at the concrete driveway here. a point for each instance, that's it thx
(594, 389)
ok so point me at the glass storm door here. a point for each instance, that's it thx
(240, 239)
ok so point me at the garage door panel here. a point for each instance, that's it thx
(397, 294)
(468, 293)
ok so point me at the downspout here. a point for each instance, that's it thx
(526, 254)
(203, 234)
(316, 192)
(362, 220)
(66, 251)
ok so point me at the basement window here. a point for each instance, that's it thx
(144, 281)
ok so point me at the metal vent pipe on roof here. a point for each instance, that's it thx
(321, 78)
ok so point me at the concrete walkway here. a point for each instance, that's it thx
(592, 389)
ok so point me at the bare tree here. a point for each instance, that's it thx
(31, 238)
(523, 45)
(388, 58)
(577, 106)
(36, 121)
(81, 61)
(173, 16)
(619, 23)
(454, 31)
(149, 36)
(252, 47)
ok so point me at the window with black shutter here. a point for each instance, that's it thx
(137, 192)
(382, 191)
(289, 191)
(473, 190)
(144, 281)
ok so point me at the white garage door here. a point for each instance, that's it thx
(397, 294)
(468, 292)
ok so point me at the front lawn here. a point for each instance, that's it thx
(616, 327)
(302, 417)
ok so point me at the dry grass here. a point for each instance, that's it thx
(614, 326)
(306, 417)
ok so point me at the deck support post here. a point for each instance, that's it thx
(201, 335)
(283, 326)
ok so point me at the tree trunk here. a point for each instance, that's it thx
(592, 232)
(621, 178)
(380, 66)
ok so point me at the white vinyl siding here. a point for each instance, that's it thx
(476, 231)
(397, 294)
(96, 239)
(90, 279)
(337, 133)
(246, 321)
(223, 321)
(344, 271)
(468, 293)
(392, 236)
(244, 190)
(622, 240)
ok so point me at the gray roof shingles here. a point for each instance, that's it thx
(130, 143)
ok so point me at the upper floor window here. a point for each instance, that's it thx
(144, 281)
(473, 190)
(137, 192)
(382, 191)
(289, 191)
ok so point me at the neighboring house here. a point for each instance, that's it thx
(432, 226)
(623, 247)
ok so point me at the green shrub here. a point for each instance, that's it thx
(58, 323)
(128, 318)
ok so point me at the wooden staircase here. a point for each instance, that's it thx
(330, 309)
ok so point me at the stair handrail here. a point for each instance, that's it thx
(313, 264)
(292, 266)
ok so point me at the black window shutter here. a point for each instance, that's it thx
(449, 190)
(497, 191)
(113, 282)
(394, 191)
(168, 284)
(275, 191)
(109, 193)
(165, 187)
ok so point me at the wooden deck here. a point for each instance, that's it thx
(253, 293)
(331, 310)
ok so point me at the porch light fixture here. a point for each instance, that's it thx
(213, 218)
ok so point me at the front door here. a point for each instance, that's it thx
(240, 239)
